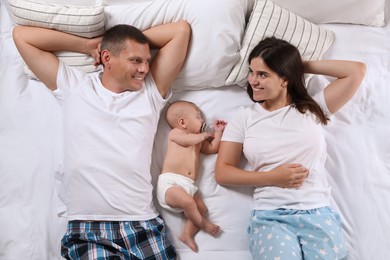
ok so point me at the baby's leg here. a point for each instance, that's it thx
(176, 197)
(190, 229)
(209, 227)
(188, 234)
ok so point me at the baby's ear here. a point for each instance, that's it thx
(182, 123)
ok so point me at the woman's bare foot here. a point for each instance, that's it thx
(189, 241)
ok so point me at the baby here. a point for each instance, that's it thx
(175, 188)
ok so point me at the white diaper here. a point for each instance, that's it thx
(168, 180)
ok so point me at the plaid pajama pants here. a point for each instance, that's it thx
(117, 240)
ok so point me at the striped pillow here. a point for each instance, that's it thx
(268, 19)
(80, 61)
(85, 21)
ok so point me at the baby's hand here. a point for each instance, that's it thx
(219, 125)
(207, 135)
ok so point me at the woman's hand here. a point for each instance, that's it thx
(289, 175)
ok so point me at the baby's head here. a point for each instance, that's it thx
(184, 115)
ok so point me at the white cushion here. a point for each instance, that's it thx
(81, 61)
(85, 21)
(366, 12)
(268, 19)
(217, 28)
(120, 2)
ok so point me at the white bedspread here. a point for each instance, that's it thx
(358, 163)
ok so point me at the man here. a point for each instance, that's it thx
(110, 119)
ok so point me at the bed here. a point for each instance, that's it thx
(32, 215)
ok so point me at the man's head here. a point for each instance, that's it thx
(114, 39)
(125, 55)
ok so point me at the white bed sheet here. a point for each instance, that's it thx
(358, 155)
(358, 161)
(359, 143)
(30, 143)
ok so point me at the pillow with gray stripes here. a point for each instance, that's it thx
(78, 60)
(268, 19)
(85, 21)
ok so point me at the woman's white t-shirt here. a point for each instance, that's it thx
(271, 139)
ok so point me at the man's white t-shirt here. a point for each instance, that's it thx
(108, 140)
(271, 139)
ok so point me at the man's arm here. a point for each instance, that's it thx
(172, 39)
(36, 45)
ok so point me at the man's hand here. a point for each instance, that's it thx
(94, 49)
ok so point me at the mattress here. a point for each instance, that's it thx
(32, 219)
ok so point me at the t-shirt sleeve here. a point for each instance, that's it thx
(157, 100)
(68, 78)
(320, 99)
(235, 128)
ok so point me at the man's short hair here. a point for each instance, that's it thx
(115, 37)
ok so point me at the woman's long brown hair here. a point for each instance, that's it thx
(285, 60)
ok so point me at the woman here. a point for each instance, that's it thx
(281, 137)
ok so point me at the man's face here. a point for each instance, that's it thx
(131, 66)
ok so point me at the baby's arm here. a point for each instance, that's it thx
(210, 147)
(185, 139)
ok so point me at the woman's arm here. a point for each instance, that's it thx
(36, 45)
(228, 172)
(348, 74)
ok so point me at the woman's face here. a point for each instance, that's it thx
(266, 84)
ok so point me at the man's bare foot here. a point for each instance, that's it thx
(211, 228)
(189, 241)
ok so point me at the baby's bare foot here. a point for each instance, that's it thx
(189, 241)
(211, 228)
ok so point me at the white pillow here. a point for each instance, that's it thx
(120, 2)
(85, 21)
(78, 60)
(269, 19)
(217, 28)
(73, 2)
(366, 12)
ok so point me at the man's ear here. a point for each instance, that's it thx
(105, 56)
